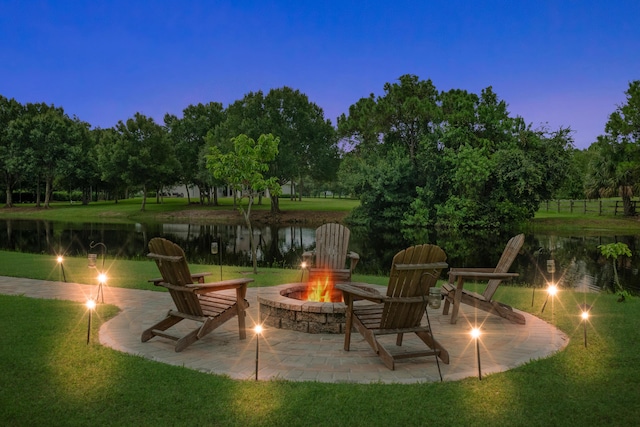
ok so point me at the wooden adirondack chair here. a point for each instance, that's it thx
(202, 302)
(331, 253)
(402, 309)
(455, 293)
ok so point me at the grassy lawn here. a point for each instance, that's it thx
(129, 210)
(51, 377)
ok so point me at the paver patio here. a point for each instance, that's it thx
(298, 356)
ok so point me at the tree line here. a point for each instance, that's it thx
(416, 157)
(42, 148)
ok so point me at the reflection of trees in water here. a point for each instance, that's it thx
(578, 261)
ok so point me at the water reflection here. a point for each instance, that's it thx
(577, 259)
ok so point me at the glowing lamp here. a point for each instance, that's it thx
(475, 334)
(258, 330)
(91, 305)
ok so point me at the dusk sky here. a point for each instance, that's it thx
(564, 63)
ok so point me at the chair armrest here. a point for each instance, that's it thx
(198, 276)
(306, 256)
(361, 293)
(200, 288)
(354, 258)
(479, 275)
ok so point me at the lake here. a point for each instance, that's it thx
(577, 259)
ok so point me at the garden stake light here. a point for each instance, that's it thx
(91, 305)
(552, 290)
(60, 260)
(303, 267)
(102, 278)
(258, 330)
(585, 309)
(215, 249)
(475, 334)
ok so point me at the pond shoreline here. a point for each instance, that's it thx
(257, 217)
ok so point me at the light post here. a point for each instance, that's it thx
(258, 330)
(475, 334)
(60, 260)
(102, 277)
(215, 249)
(585, 309)
(552, 290)
(91, 305)
(303, 267)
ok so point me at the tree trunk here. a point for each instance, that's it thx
(629, 209)
(252, 243)
(144, 198)
(9, 201)
(215, 196)
(38, 194)
(47, 192)
(275, 204)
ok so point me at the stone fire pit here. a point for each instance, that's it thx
(281, 307)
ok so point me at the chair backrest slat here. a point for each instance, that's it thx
(332, 242)
(509, 254)
(405, 281)
(172, 263)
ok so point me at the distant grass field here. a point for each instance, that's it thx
(128, 210)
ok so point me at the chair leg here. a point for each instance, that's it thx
(347, 332)
(435, 345)
(162, 325)
(187, 340)
(445, 310)
(241, 320)
(349, 322)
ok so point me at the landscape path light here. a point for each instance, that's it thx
(258, 330)
(60, 260)
(102, 277)
(303, 267)
(552, 290)
(475, 334)
(91, 305)
(216, 244)
(585, 309)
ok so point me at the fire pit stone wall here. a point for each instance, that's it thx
(282, 307)
(279, 308)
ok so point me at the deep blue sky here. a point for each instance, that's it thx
(565, 63)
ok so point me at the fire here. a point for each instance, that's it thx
(322, 292)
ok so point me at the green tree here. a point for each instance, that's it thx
(308, 144)
(148, 154)
(10, 150)
(469, 163)
(46, 139)
(111, 161)
(616, 165)
(188, 135)
(396, 124)
(244, 171)
(614, 251)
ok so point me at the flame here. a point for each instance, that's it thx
(321, 292)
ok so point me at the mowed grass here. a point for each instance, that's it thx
(50, 376)
(128, 210)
